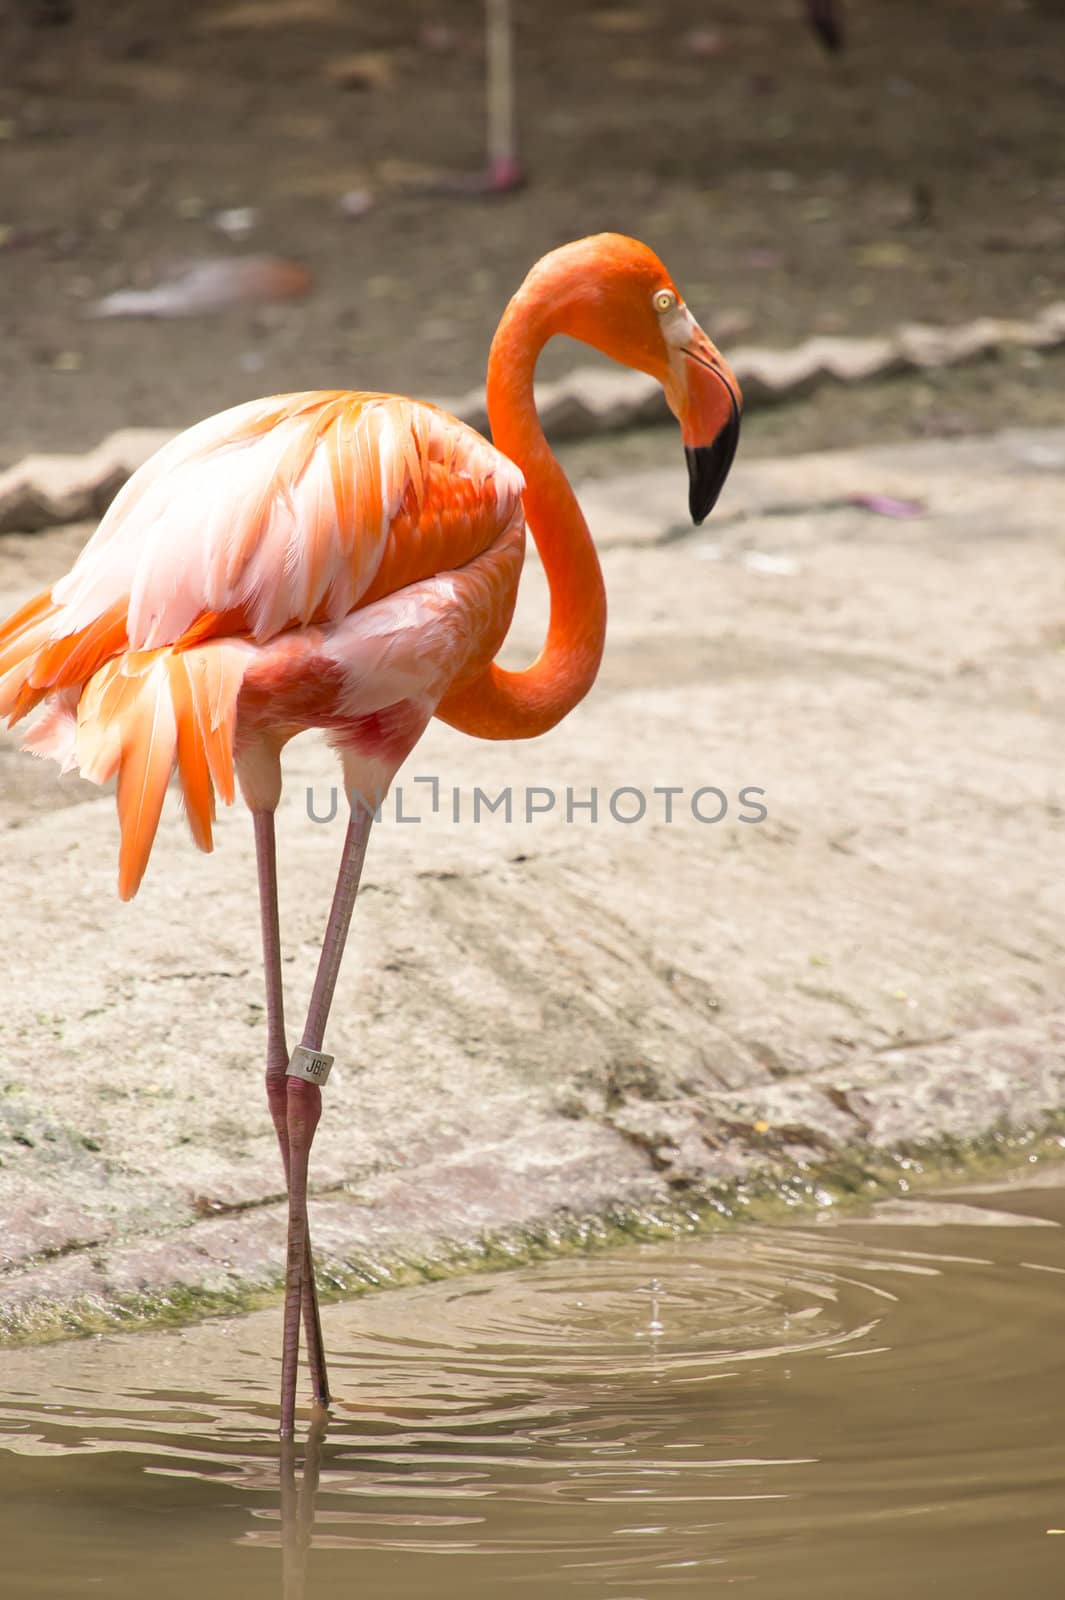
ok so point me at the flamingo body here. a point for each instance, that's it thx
(321, 560)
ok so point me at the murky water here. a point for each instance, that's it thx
(864, 1408)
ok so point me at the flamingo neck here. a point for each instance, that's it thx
(497, 704)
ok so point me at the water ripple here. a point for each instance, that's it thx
(648, 1421)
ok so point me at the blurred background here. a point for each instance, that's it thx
(916, 173)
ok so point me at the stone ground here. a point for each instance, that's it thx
(549, 1020)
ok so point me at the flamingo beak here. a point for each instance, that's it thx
(705, 396)
(708, 467)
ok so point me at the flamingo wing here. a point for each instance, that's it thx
(275, 514)
(315, 556)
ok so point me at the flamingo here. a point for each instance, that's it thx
(348, 562)
(504, 172)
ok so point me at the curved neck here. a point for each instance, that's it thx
(497, 704)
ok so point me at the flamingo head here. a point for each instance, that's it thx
(612, 292)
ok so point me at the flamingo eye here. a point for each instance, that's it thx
(665, 300)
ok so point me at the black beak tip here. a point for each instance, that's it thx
(708, 467)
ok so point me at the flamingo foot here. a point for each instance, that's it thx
(503, 175)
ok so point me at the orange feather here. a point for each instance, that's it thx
(149, 737)
(76, 657)
(193, 767)
(21, 637)
(19, 622)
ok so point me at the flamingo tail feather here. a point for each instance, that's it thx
(144, 716)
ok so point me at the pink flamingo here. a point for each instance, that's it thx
(348, 562)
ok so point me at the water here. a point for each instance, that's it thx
(859, 1408)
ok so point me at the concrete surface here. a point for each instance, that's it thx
(549, 1020)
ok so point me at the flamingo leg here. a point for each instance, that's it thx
(276, 1064)
(304, 1102)
(504, 172)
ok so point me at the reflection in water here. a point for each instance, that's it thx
(807, 1411)
(297, 1507)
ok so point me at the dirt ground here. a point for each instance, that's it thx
(919, 176)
